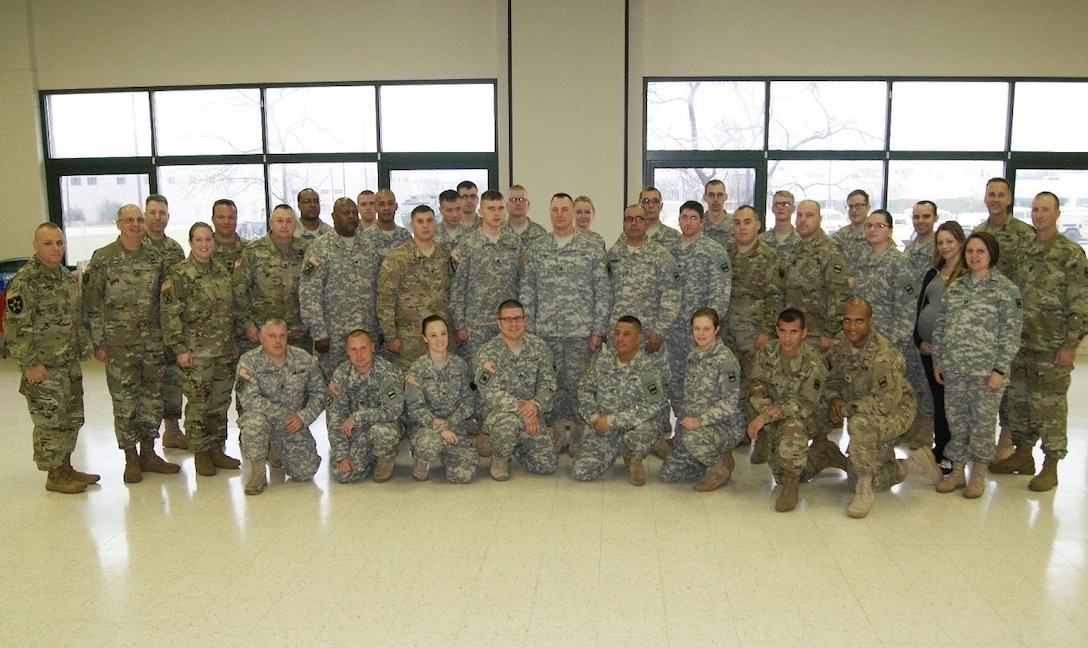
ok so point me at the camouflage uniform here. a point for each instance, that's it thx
(504, 377)
(885, 279)
(382, 242)
(336, 294)
(531, 232)
(816, 285)
(1053, 280)
(567, 299)
(374, 403)
(853, 245)
(795, 386)
(721, 233)
(441, 392)
(710, 391)
(878, 401)
(44, 327)
(265, 285)
(197, 318)
(1012, 235)
(632, 396)
(121, 306)
(309, 237)
(411, 287)
(977, 331)
(269, 393)
(172, 254)
(448, 239)
(486, 274)
(920, 258)
(227, 254)
(663, 235)
(783, 249)
(596, 238)
(646, 284)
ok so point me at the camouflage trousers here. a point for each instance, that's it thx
(678, 342)
(1036, 401)
(788, 447)
(696, 451)
(916, 376)
(661, 357)
(411, 348)
(297, 451)
(571, 357)
(383, 437)
(535, 453)
(331, 359)
(207, 385)
(872, 446)
(171, 387)
(134, 378)
(971, 408)
(361, 455)
(460, 459)
(478, 335)
(56, 410)
(746, 359)
(597, 452)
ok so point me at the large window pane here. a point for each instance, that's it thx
(415, 187)
(827, 182)
(828, 115)
(438, 118)
(949, 115)
(704, 115)
(103, 124)
(957, 187)
(680, 185)
(1050, 117)
(208, 122)
(89, 205)
(191, 191)
(331, 119)
(1071, 187)
(331, 180)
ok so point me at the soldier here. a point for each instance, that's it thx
(157, 213)
(1052, 275)
(470, 200)
(866, 386)
(336, 291)
(450, 229)
(386, 234)
(783, 237)
(45, 335)
(882, 275)
(851, 237)
(438, 397)
(228, 244)
(656, 231)
(517, 216)
(754, 305)
(718, 225)
(265, 281)
(919, 251)
(309, 212)
(515, 373)
(786, 395)
(282, 393)
(121, 307)
(975, 339)
(366, 398)
(367, 201)
(707, 412)
(584, 212)
(198, 327)
(816, 279)
(622, 397)
(413, 282)
(567, 298)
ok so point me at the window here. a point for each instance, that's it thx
(333, 119)
(705, 115)
(106, 124)
(445, 117)
(828, 115)
(208, 122)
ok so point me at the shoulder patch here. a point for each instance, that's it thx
(732, 376)
(412, 380)
(883, 383)
(166, 285)
(244, 373)
(238, 263)
(725, 267)
(15, 303)
(391, 393)
(388, 267)
(837, 268)
(311, 263)
(334, 389)
(329, 398)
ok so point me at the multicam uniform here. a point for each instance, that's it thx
(265, 285)
(121, 307)
(977, 332)
(374, 403)
(269, 393)
(197, 318)
(816, 285)
(172, 254)
(632, 396)
(411, 287)
(487, 273)
(1012, 235)
(783, 248)
(710, 391)
(44, 327)
(227, 254)
(433, 391)
(920, 258)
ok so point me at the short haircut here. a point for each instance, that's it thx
(509, 303)
(299, 195)
(858, 301)
(714, 182)
(648, 189)
(709, 312)
(283, 206)
(1057, 203)
(156, 198)
(563, 195)
(1004, 181)
(745, 207)
(858, 192)
(632, 320)
(122, 208)
(224, 201)
(989, 241)
(273, 321)
(365, 192)
(359, 333)
(448, 196)
(517, 187)
(47, 226)
(693, 205)
(197, 225)
(635, 206)
(421, 209)
(809, 201)
(791, 315)
(466, 184)
(886, 214)
(927, 203)
(430, 319)
(491, 194)
(787, 194)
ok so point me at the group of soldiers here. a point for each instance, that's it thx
(684, 343)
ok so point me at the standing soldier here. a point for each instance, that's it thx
(816, 278)
(719, 223)
(336, 289)
(449, 230)
(386, 234)
(121, 307)
(753, 307)
(309, 210)
(920, 250)
(367, 202)
(1052, 275)
(650, 200)
(228, 244)
(851, 237)
(413, 283)
(517, 216)
(783, 237)
(158, 217)
(198, 328)
(266, 281)
(46, 337)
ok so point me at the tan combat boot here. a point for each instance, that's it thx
(636, 472)
(1004, 448)
(827, 454)
(172, 436)
(1047, 478)
(220, 459)
(483, 444)
(863, 498)
(151, 462)
(660, 448)
(953, 480)
(273, 456)
(86, 478)
(257, 478)
(1020, 462)
(203, 461)
(717, 475)
(58, 481)
(761, 448)
(133, 473)
(500, 469)
(921, 462)
(787, 498)
(977, 484)
(383, 469)
(420, 470)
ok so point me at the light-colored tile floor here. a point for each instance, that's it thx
(536, 561)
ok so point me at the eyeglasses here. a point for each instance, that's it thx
(856, 205)
(517, 200)
(650, 201)
(634, 219)
(130, 220)
(878, 226)
(782, 204)
(517, 319)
